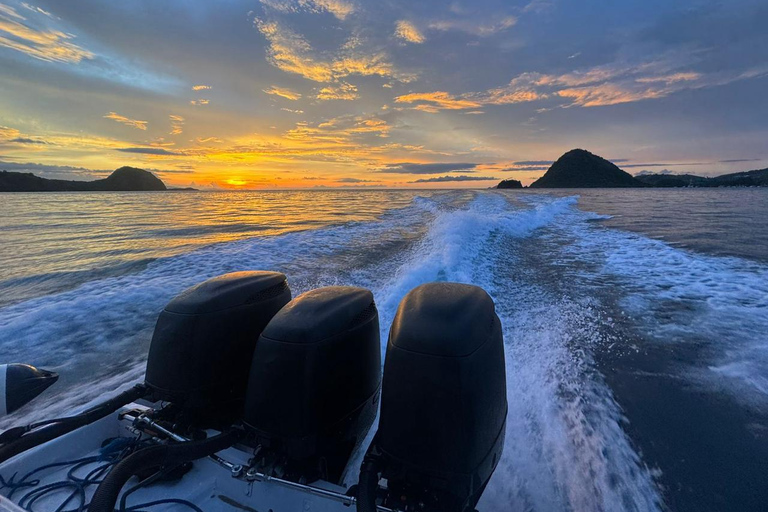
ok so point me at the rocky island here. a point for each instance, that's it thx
(578, 168)
(510, 184)
(124, 179)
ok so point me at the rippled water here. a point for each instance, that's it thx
(55, 241)
(634, 321)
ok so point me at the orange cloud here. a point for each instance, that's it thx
(290, 52)
(7, 133)
(503, 96)
(177, 123)
(141, 125)
(407, 31)
(608, 94)
(594, 87)
(205, 140)
(434, 101)
(338, 8)
(47, 45)
(671, 79)
(343, 91)
(283, 92)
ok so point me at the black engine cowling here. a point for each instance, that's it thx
(443, 404)
(20, 383)
(204, 339)
(314, 383)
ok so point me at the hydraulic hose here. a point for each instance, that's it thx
(367, 487)
(106, 494)
(63, 426)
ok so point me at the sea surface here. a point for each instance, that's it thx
(635, 321)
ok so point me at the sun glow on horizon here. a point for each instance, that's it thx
(335, 94)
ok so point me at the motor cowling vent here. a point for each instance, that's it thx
(314, 382)
(204, 339)
(443, 404)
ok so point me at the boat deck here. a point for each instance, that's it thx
(208, 486)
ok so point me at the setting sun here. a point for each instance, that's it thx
(423, 96)
(354, 255)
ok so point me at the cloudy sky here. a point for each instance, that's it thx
(359, 93)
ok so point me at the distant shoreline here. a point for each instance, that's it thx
(578, 168)
(124, 179)
(377, 189)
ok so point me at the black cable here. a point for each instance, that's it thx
(21, 483)
(137, 508)
(367, 487)
(31, 497)
(80, 491)
(147, 481)
(16, 485)
(108, 453)
(90, 477)
(105, 497)
(79, 485)
(36, 437)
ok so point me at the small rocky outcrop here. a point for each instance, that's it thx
(510, 184)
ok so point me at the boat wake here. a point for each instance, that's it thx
(545, 263)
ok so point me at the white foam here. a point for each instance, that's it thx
(96, 330)
(455, 246)
(565, 448)
(719, 304)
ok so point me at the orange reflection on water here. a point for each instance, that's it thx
(71, 232)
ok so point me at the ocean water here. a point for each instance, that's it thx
(635, 321)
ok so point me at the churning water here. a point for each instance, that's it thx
(635, 321)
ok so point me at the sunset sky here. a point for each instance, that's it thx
(353, 93)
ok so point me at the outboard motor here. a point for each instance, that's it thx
(20, 383)
(443, 404)
(203, 344)
(314, 384)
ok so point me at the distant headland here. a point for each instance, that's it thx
(579, 168)
(124, 179)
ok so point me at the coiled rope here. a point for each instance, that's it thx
(109, 455)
